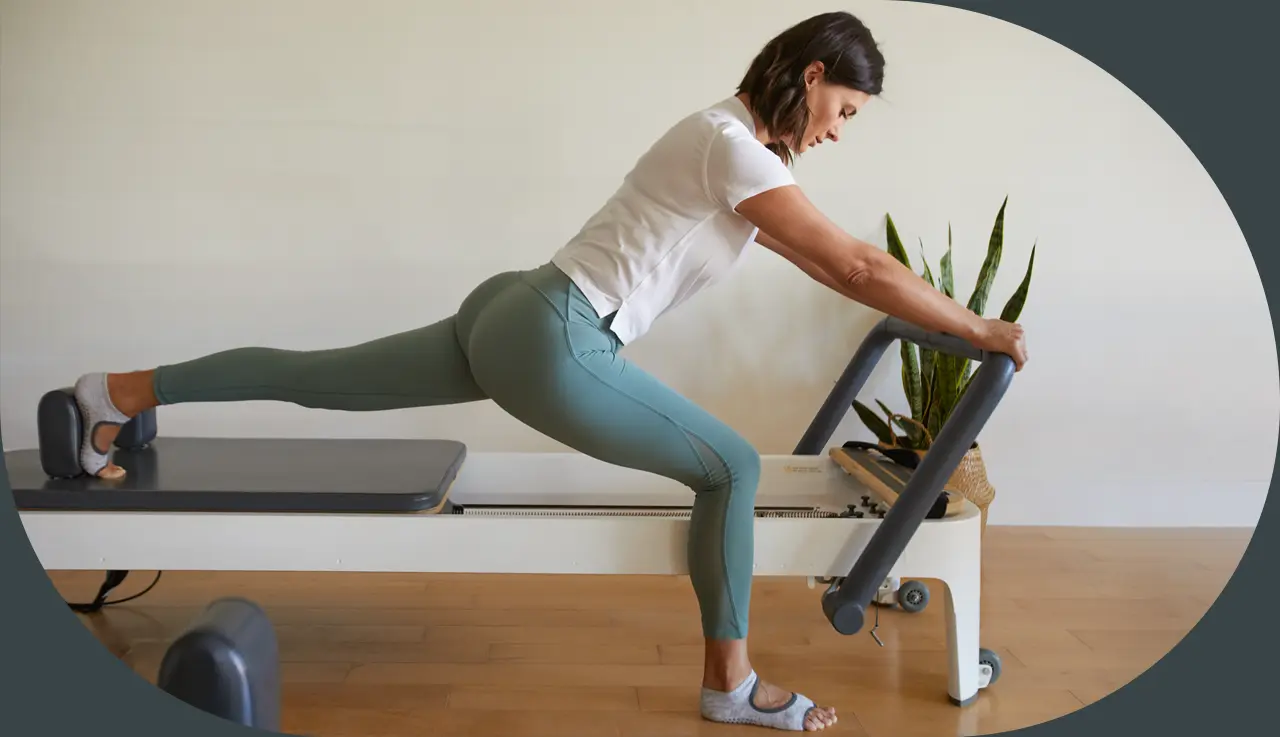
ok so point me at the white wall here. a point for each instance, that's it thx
(180, 178)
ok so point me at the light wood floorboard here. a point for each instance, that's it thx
(1074, 613)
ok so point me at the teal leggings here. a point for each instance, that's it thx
(530, 342)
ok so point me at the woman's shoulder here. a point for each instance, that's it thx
(726, 118)
(712, 151)
(717, 134)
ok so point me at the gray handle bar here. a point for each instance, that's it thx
(851, 382)
(845, 605)
(904, 330)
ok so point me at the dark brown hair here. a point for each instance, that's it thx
(775, 80)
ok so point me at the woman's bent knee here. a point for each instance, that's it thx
(731, 467)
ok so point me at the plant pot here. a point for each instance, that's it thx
(969, 479)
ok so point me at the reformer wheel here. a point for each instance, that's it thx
(913, 597)
(990, 659)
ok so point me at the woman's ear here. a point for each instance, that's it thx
(813, 74)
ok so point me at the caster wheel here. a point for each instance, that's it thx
(991, 660)
(913, 597)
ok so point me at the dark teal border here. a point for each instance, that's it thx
(1202, 67)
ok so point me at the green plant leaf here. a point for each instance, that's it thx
(888, 413)
(964, 386)
(913, 439)
(928, 379)
(930, 415)
(910, 362)
(888, 416)
(948, 279)
(895, 243)
(946, 364)
(911, 377)
(928, 275)
(948, 385)
(934, 382)
(990, 265)
(1013, 308)
(960, 367)
(873, 422)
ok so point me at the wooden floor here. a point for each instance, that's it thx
(1074, 613)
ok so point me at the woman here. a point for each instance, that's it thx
(544, 343)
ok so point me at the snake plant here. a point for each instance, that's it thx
(932, 381)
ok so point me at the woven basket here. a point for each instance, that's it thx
(969, 479)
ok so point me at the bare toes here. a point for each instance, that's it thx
(820, 718)
(111, 472)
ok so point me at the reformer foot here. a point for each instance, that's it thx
(759, 704)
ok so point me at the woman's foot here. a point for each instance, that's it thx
(107, 402)
(733, 693)
(762, 704)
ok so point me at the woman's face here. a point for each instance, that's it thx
(830, 105)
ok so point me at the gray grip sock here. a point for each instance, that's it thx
(738, 707)
(96, 410)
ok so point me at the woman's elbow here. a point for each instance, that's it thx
(861, 269)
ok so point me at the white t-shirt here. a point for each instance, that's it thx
(670, 230)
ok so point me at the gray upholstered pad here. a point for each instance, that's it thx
(253, 475)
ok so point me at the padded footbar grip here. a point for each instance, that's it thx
(61, 429)
(138, 432)
(845, 605)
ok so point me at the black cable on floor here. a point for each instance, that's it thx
(113, 579)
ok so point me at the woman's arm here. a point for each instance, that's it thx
(794, 228)
(805, 264)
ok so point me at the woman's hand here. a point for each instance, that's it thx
(999, 336)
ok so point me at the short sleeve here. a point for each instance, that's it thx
(740, 167)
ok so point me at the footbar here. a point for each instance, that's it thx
(845, 602)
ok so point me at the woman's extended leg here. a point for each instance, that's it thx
(415, 368)
(540, 352)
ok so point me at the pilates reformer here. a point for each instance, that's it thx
(848, 517)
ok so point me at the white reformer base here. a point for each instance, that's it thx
(544, 513)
